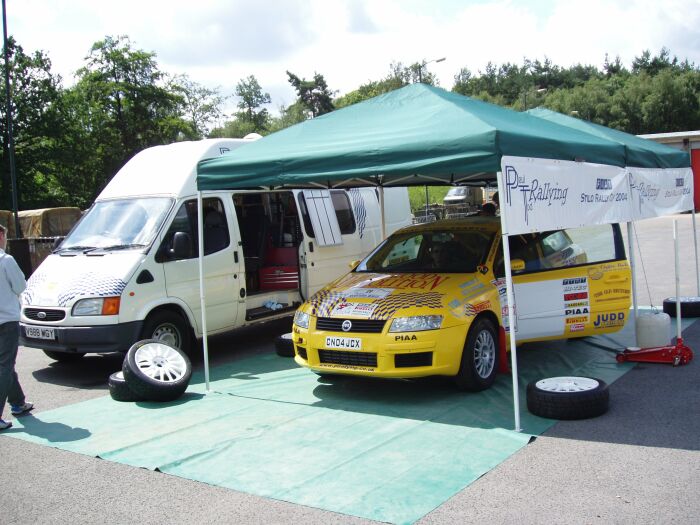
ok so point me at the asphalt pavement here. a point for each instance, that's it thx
(639, 463)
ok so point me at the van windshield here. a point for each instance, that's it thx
(119, 224)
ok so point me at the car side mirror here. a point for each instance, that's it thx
(182, 246)
(353, 264)
(517, 265)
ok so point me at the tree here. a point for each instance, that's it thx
(200, 106)
(313, 95)
(252, 97)
(125, 107)
(37, 126)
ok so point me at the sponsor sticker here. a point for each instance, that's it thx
(367, 293)
(578, 327)
(472, 309)
(357, 309)
(575, 296)
(576, 320)
(608, 320)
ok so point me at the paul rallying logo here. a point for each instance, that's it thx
(534, 193)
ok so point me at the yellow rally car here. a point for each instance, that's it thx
(431, 300)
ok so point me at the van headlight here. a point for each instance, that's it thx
(418, 323)
(97, 306)
(301, 319)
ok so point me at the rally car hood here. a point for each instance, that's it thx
(378, 296)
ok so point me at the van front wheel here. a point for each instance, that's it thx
(169, 328)
(478, 369)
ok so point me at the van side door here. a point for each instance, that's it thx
(222, 265)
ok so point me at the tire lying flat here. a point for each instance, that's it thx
(157, 371)
(568, 398)
(690, 306)
(284, 345)
(119, 390)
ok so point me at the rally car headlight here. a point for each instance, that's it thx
(416, 324)
(97, 306)
(301, 319)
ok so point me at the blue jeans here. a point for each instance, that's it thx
(10, 389)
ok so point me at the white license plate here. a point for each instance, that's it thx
(38, 332)
(343, 343)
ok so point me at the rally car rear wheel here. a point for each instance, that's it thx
(478, 368)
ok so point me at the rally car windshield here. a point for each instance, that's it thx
(448, 251)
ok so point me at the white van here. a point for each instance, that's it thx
(129, 269)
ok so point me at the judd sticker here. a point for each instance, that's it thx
(358, 309)
(608, 320)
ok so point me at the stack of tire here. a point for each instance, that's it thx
(151, 371)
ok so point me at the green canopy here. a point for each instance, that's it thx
(639, 152)
(415, 135)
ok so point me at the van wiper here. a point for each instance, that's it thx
(122, 246)
(84, 249)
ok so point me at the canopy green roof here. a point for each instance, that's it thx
(639, 152)
(415, 135)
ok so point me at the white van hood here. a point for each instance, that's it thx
(60, 280)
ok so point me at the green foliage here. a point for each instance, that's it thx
(416, 196)
(314, 94)
(199, 105)
(252, 98)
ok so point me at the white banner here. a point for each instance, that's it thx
(657, 192)
(543, 194)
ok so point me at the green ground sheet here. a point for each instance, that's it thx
(386, 450)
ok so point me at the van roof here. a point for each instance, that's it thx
(167, 170)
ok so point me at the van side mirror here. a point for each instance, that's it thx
(182, 246)
(353, 264)
(517, 265)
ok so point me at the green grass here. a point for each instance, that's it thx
(416, 195)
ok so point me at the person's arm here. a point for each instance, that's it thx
(14, 275)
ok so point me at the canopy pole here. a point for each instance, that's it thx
(678, 279)
(202, 301)
(510, 297)
(695, 244)
(630, 244)
(381, 210)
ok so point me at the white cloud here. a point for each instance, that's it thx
(350, 42)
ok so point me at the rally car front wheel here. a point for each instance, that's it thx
(478, 368)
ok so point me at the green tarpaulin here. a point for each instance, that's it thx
(418, 134)
(639, 152)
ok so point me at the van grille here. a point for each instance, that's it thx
(48, 315)
(366, 326)
(411, 360)
(348, 358)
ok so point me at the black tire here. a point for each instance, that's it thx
(284, 345)
(156, 371)
(575, 398)
(479, 365)
(64, 357)
(690, 306)
(169, 328)
(119, 390)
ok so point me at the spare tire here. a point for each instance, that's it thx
(284, 346)
(568, 397)
(119, 390)
(690, 306)
(157, 371)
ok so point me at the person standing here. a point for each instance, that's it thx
(12, 284)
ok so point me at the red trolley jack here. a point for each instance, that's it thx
(674, 355)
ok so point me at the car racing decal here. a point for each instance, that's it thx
(89, 284)
(326, 303)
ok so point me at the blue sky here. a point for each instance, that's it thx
(219, 42)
